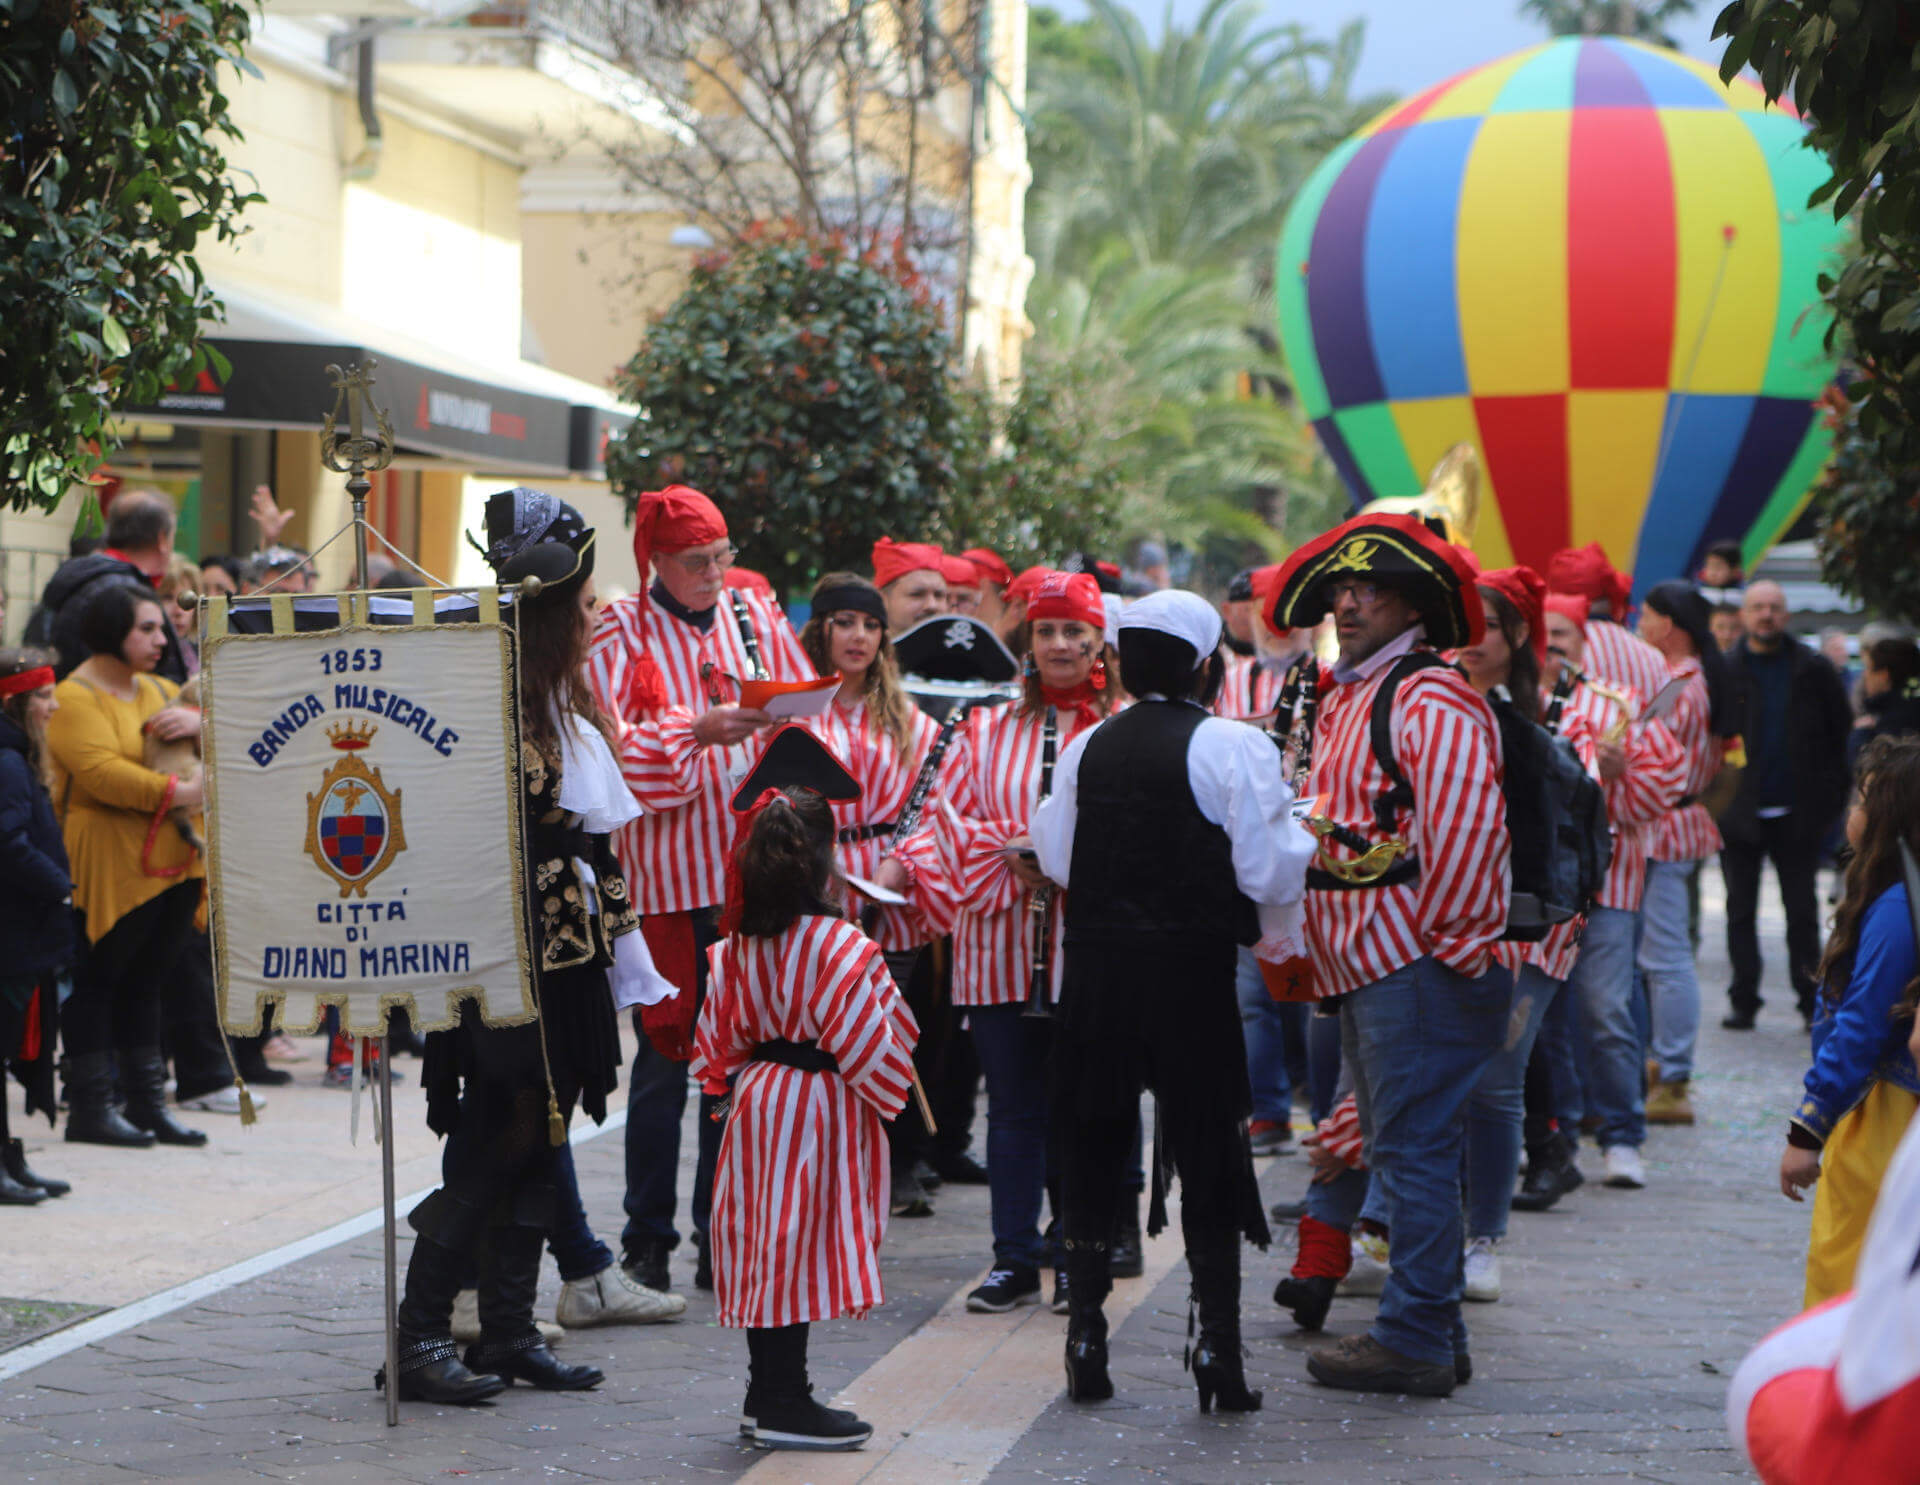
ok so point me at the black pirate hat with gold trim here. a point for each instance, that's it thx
(1399, 550)
(533, 534)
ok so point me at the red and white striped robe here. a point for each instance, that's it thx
(991, 786)
(675, 854)
(800, 1190)
(1688, 833)
(886, 778)
(1248, 689)
(1446, 744)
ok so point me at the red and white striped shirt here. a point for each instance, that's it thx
(991, 785)
(675, 854)
(1656, 769)
(1339, 1134)
(1623, 659)
(886, 777)
(1445, 742)
(1248, 689)
(1688, 833)
(800, 1189)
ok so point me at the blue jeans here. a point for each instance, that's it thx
(1602, 983)
(1323, 1064)
(1013, 1055)
(1497, 1109)
(1559, 1042)
(1666, 956)
(1423, 1035)
(579, 1253)
(1263, 1022)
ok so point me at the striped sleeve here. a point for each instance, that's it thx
(864, 1022)
(1448, 748)
(1339, 1133)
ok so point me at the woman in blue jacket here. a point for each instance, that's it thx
(36, 911)
(1862, 1089)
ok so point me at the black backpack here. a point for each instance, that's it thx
(1556, 810)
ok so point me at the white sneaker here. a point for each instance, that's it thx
(222, 1101)
(1482, 1271)
(1623, 1167)
(466, 1321)
(610, 1297)
(1368, 1275)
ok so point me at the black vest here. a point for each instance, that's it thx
(1148, 867)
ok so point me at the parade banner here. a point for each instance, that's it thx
(363, 819)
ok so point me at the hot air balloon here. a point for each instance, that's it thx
(1592, 261)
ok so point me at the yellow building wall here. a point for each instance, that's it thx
(592, 282)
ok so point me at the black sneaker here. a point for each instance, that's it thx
(804, 1424)
(703, 1263)
(646, 1264)
(1737, 1021)
(1060, 1306)
(1006, 1289)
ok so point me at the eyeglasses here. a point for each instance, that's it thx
(699, 566)
(1363, 593)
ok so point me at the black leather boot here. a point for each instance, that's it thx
(1551, 1174)
(1308, 1298)
(17, 1193)
(14, 1156)
(92, 1118)
(430, 1365)
(510, 1345)
(1126, 1259)
(144, 1072)
(1215, 1359)
(1088, 1275)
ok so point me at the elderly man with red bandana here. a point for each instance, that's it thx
(667, 662)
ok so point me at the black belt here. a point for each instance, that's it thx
(1686, 799)
(1402, 870)
(806, 1056)
(852, 835)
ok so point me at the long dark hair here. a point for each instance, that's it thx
(1890, 798)
(786, 863)
(887, 701)
(16, 662)
(554, 635)
(1523, 669)
(1681, 602)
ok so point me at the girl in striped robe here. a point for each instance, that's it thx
(802, 1016)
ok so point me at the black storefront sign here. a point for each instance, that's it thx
(285, 384)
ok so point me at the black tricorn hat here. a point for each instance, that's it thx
(795, 759)
(533, 534)
(1400, 550)
(954, 647)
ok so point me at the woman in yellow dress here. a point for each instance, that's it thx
(136, 881)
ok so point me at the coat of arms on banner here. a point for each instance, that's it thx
(353, 823)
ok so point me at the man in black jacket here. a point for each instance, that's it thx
(1795, 724)
(138, 545)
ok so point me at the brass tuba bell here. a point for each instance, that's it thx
(1452, 496)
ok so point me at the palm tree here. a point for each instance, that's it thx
(1644, 22)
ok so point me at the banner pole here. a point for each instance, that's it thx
(388, 1226)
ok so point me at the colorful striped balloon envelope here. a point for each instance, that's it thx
(1594, 262)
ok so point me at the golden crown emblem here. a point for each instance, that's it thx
(349, 737)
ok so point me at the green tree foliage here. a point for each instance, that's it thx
(1162, 170)
(804, 385)
(1849, 67)
(111, 171)
(1643, 22)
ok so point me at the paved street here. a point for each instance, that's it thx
(1607, 1359)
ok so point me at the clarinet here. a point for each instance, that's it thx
(916, 803)
(1040, 905)
(748, 639)
(1557, 698)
